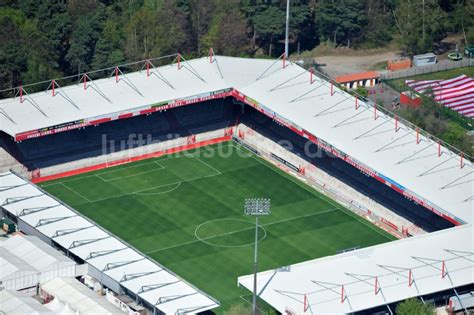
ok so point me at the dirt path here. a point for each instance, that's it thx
(337, 65)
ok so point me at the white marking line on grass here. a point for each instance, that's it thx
(139, 192)
(161, 167)
(319, 195)
(74, 191)
(208, 165)
(204, 240)
(181, 154)
(161, 192)
(238, 231)
(155, 187)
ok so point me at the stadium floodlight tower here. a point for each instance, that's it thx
(256, 207)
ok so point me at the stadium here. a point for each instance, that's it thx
(142, 176)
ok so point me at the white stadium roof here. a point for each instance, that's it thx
(408, 161)
(113, 257)
(371, 277)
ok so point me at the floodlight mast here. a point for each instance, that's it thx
(287, 27)
(256, 207)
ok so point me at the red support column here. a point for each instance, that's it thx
(305, 302)
(284, 61)
(357, 103)
(53, 83)
(21, 94)
(84, 79)
(417, 135)
(116, 74)
(396, 123)
(147, 68)
(179, 61)
(376, 285)
(439, 148)
(332, 88)
(311, 76)
(342, 294)
(462, 159)
(211, 54)
(409, 278)
(443, 270)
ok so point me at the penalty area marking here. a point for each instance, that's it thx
(204, 240)
(176, 186)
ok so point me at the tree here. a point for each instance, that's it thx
(302, 28)
(380, 25)
(414, 306)
(155, 31)
(462, 20)
(25, 53)
(83, 40)
(340, 21)
(420, 24)
(227, 32)
(108, 50)
(269, 25)
(201, 12)
(12, 55)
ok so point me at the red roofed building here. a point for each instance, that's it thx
(353, 80)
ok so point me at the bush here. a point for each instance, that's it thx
(414, 306)
(362, 92)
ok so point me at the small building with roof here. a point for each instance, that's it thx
(354, 80)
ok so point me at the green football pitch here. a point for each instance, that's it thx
(186, 211)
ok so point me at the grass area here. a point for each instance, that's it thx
(399, 84)
(186, 212)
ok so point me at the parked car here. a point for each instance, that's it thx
(455, 56)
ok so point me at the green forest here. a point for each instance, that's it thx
(43, 39)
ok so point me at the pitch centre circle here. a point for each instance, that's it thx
(229, 233)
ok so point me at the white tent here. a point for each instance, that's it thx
(26, 261)
(16, 303)
(74, 297)
(36, 253)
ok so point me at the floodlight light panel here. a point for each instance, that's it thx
(257, 206)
